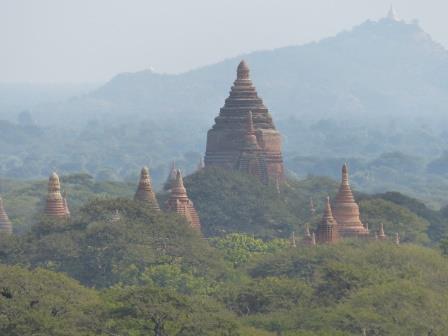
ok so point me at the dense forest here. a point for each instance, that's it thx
(149, 273)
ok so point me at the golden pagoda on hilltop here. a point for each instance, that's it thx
(346, 210)
(228, 139)
(180, 203)
(56, 205)
(144, 192)
(5, 223)
(327, 231)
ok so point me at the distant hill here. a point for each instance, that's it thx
(385, 68)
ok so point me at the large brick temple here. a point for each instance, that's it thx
(227, 140)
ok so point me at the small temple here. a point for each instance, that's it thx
(56, 205)
(229, 141)
(5, 223)
(180, 203)
(145, 193)
(346, 210)
(327, 231)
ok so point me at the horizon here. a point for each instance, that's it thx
(83, 61)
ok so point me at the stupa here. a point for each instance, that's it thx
(144, 192)
(5, 223)
(327, 231)
(381, 234)
(227, 139)
(346, 210)
(171, 177)
(180, 203)
(55, 206)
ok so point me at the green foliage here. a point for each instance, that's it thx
(239, 248)
(235, 202)
(161, 312)
(44, 303)
(410, 226)
(100, 252)
(380, 287)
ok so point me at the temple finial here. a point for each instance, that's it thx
(243, 70)
(392, 14)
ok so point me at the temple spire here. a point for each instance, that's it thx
(312, 208)
(381, 234)
(293, 239)
(327, 229)
(55, 206)
(346, 210)
(171, 177)
(5, 223)
(392, 14)
(200, 166)
(64, 198)
(144, 192)
(242, 71)
(180, 203)
(397, 238)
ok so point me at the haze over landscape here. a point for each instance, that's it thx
(232, 168)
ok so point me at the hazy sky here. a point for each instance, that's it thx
(92, 40)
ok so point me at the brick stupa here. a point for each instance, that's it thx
(180, 203)
(5, 223)
(56, 205)
(144, 192)
(227, 139)
(327, 231)
(346, 210)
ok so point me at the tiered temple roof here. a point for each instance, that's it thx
(228, 137)
(144, 192)
(180, 203)
(346, 210)
(327, 231)
(55, 206)
(5, 223)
